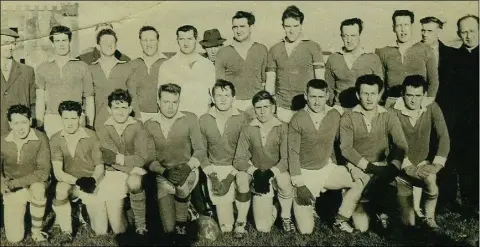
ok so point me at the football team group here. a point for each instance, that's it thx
(266, 129)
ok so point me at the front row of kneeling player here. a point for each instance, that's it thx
(240, 157)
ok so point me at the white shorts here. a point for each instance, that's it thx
(17, 198)
(113, 186)
(284, 114)
(315, 179)
(147, 115)
(222, 172)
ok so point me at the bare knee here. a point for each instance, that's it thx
(134, 183)
(242, 180)
(37, 191)
(62, 190)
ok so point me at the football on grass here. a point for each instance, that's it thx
(207, 228)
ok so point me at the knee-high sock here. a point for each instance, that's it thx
(243, 205)
(137, 202)
(430, 204)
(37, 211)
(286, 205)
(167, 215)
(181, 209)
(197, 200)
(63, 212)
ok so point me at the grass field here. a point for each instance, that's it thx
(456, 231)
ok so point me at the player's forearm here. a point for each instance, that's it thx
(98, 173)
(40, 106)
(90, 110)
(270, 82)
(61, 175)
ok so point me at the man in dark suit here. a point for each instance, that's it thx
(17, 82)
(447, 179)
(465, 98)
(92, 54)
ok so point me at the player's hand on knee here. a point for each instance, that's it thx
(432, 169)
(411, 171)
(374, 169)
(3, 186)
(12, 187)
(304, 196)
(179, 174)
(261, 181)
(86, 184)
(108, 156)
(215, 182)
(225, 185)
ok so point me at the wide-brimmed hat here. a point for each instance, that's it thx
(9, 32)
(212, 38)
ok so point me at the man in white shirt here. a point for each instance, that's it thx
(188, 69)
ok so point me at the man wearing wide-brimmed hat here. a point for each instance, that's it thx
(212, 41)
(17, 82)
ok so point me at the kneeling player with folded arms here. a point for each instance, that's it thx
(417, 117)
(220, 128)
(263, 143)
(312, 134)
(178, 153)
(25, 167)
(78, 167)
(372, 140)
(124, 147)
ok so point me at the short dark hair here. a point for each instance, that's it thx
(464, 18)
(170, 88)
(371, 80)
(69, 105)
(18, 109)
(106, 32)
(223, 84)
(403, 12)
(247, 15)
(430, 19)
(262, 95)
(147, 28)
(414, 81)
(120, 95)
(317, 84)
(351, 22)
(186, 28)
(294, 12)
(60, 29)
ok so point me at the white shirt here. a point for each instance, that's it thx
(195, 75)
(6, 68)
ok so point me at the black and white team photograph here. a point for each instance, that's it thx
(249, 123)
